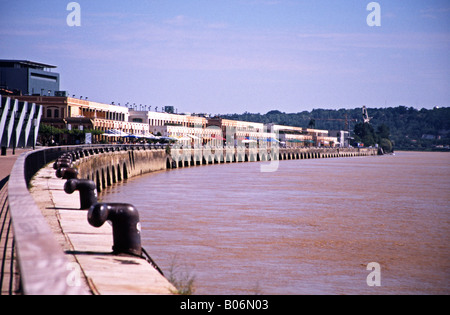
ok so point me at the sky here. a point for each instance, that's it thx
(235, 56)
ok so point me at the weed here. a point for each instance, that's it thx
(181, 277)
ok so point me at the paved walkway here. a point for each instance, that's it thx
(7, 162)
(89, 247)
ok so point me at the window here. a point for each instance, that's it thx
(49, 113)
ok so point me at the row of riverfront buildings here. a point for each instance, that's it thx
(40, 85)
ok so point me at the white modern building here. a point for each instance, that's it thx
(19, 123)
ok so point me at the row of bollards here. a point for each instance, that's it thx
(123, 217)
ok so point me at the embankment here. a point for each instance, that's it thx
(52, 257)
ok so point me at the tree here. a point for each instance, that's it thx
(403, 126)
(383, 131)
(48, 133)
(365, 133)
(386, 145)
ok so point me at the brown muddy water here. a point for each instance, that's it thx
(311, 227)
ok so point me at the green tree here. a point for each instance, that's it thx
(48, 133)
(383, 131)
(386, 145)
(365, 133)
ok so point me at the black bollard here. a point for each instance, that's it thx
(87, 189)
(59, 171)
(67, 173)
(65, 157)
(125, 224)
(62, 163)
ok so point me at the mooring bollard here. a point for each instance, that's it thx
(66, 156)
(125, 223)
(67, 173)
(62, 162)
(87, 189)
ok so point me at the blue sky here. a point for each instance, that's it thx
(239, 55)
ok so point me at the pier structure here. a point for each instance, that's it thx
(182, 157)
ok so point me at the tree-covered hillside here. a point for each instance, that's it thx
(410, 129)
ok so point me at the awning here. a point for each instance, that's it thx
(294, 140)
(150, 136)
(218, 137)
(115, 133)
(168, 138)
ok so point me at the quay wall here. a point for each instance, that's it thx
(41, 260)
(192, 157)
(110, 167)
(107, 166)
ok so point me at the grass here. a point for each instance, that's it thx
(181, 278)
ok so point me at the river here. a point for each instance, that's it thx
(311, 227)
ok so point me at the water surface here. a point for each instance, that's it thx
(309, 228)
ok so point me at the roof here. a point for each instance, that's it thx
(27, 63)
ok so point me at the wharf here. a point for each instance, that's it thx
(60, 253)
(89, 249)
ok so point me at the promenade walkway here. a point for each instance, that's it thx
(89, 249)
(9, 279)
(60, 253)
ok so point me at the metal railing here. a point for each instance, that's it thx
(42, 263)
(8, 276)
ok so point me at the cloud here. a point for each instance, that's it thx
(434, 13)
(179, 20)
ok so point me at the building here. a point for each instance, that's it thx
(290, 136)
(22, 77)
(19, 123)
(77, 114)
(187, 129)
(31, 82)
(342, 137)
(243, 132)
(156, 119)
(321, 138)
